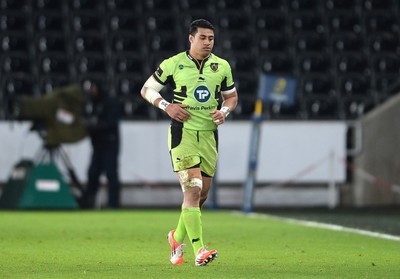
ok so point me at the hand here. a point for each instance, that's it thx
(177, 112)
(218, 116)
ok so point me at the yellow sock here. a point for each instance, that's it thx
(192, 219)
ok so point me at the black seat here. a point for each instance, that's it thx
(306, 42)
(160, 23)
(86, 21)
(277, 64)
(163, 42)
(231, 5)
(91, 64)
(312, 22)
(236, 42)
(270, 21)
(14, 5)
(16, 63)
(344, 22)
(165, 6)
(125, 22)
(384, 42)
(123, 5)
(378, 22)
(125, 64)
(354, 85)
(51, 42)
(50, 82)
(14, 41)
(246, 85)
(49, 22)
(267, 5)
(347, 42)
(383, 83)
(272, 42)
(13, 22)
(14, 85)
(244, 64)
(47, 6)
(341, 5)
(314, 63)
(54, 64)
(126, 43)
(322, 108)
(304, 5)
(233, 21)
(88, 42)
(355, 107)
(86, 5)
(196, 5)
(352, 63)
(386, 63)
(317, 84)
(379, 5)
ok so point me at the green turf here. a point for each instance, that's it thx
(132, 244)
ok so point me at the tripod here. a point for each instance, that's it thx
(49, 154)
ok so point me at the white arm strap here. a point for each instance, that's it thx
(152, 90)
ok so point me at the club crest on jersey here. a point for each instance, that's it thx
(214, 67)
(201, 94)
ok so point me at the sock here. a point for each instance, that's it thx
(192, 219)
(180, 232)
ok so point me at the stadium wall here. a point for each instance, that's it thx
(380, 157)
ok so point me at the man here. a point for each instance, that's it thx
(103, 127)
(198, 78)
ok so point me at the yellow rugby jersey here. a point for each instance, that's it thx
(196, 85)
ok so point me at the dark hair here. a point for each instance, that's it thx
(202, 23)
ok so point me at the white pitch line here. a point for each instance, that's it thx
(332, 227)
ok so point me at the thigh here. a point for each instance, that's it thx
(208, 152)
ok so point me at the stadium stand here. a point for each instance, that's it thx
(344, 53)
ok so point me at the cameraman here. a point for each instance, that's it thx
(103, 127)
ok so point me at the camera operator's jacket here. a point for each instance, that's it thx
(60, 112)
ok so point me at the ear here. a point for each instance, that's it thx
(191, 38)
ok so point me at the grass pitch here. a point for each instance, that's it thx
(132, 244)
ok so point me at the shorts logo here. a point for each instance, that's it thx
(202, 94)
(214, 67)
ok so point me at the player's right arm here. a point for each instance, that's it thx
(151, 92)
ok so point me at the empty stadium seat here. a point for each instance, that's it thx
(160, 23)
(233, 22)
(124, 22)
(347, 42)
(344, 22)
(314, 63)
(54, 64)
(382, 83)
(13, 22)
(51, 42)
(16, 63)
(49, 22)
(355, 107)
(13, 41)
(50, 82)
(89, 42)
(352, 63)
(354, 85)
(91, 64)
(88, 21)
(48, 5)
(14, 5)
(378, 22)
(383, 42)
(272, 42)
(166, 6)
(126, 43)
(311, 22)
(267, 5)
(304, 5)
(17, 84)
(322, 108)
(277, 64)
(310, 42)
(123, 5)
(386, 63)
(317, 84)
(379, 5)
(270, 21)
(163, 43)
(125, 64)
(86, 5)
(341, 5)
(195, 5)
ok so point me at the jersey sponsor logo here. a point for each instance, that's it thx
(214, 67)
(181, 67)
(201, 94)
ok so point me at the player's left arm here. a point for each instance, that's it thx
(228, 105)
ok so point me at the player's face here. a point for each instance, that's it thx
(202, 43)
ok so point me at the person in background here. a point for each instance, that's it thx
(199, 79)
(102, 114)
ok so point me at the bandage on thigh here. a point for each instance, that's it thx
(187, 183)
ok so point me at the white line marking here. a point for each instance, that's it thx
(332, 227)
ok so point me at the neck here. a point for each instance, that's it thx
(197, 56)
